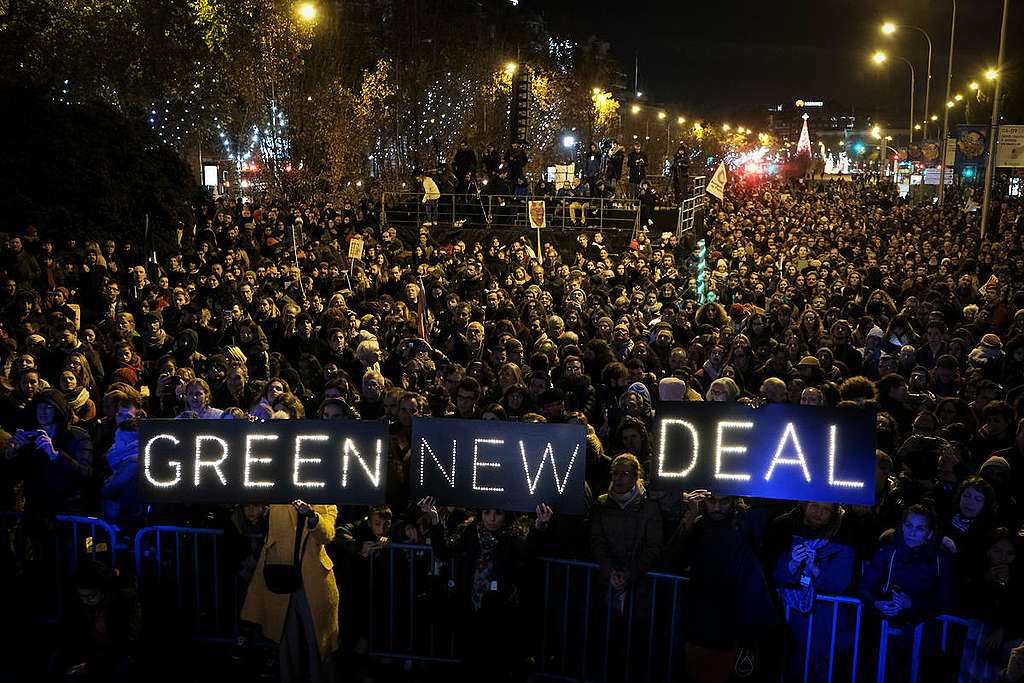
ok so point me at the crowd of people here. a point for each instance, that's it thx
(493, 188)
(825, 294)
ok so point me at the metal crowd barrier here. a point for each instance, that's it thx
(173, 562)
(421, 629)
(413, 609)
(508, 211)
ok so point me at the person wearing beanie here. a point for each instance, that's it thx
(53, 461)
(988, 357)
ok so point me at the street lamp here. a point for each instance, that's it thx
(888, 29)
(568, 142)
(880, 57)
(307, 11)
(974, 85)
(945, 116)
(725, 127)
(958, 97)
(681, 120)
(510, 68)
(636, 109)
(991, 74)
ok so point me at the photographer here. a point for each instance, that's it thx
(54, 461)
(120, 491)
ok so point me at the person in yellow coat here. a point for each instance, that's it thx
(305, 622)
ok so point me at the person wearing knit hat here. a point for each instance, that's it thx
(998, 463)
(58, 486)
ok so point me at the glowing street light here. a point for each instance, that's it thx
(917, 127)
(879, 57)
(958, 97)
(661, 115)
(681, 120)
(991, 74)
(635, 109)
(935, 117)
(568, 142)
(888, 27)
(307, 11)
(510, 68)
(950, 104)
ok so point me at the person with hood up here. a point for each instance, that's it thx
(810, 552)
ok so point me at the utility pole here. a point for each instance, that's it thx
(945, 116)
(990, 167)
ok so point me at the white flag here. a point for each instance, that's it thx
(717, 185)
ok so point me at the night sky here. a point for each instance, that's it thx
(713, 56)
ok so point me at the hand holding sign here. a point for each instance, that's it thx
(427, 506)
(544, 515)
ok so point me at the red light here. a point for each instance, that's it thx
(288, 168)
(896, 157)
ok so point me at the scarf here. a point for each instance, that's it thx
(624, 500)
(76, 398)
(484, 567)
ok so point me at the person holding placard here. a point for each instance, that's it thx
(293, 595)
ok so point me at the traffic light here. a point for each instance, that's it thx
(968, 172)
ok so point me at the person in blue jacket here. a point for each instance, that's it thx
(810, 552)
(909, 581)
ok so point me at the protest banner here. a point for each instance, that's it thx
(505, 465)
(776, 451)
(342, 462)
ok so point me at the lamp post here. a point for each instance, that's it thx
(889, 29)
(880, 57)
(990, 166)
(945, 116)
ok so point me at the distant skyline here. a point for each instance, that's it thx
(743, 53)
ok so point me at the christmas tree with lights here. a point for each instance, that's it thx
(804, 145)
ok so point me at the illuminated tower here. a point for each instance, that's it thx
(804, 146)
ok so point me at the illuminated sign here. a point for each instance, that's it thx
(776, 451)
(492, 464)
(236, 461)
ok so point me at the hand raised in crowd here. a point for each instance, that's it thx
(427, 506)
(544, 515)
(691, 504)
(305, 512)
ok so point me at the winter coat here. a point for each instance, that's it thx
(121, 490)
(629, 539)
(270, 609)
(637, 162)
(924, 573)
(729, 600)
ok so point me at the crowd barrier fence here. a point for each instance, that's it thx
(506, 211)
(413, 613)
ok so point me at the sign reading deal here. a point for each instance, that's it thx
(491, 464)
(776, 451)
(235, 461)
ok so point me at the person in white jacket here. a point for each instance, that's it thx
(430, 196)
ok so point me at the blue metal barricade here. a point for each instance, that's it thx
(836, 608)
(180, 570)
(423, 628)
(590, 615)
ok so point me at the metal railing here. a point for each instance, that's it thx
(172, 562)
(407, 209)
(413, 606)
(697, 201)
